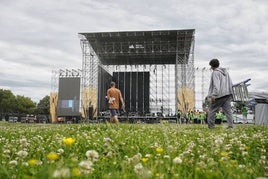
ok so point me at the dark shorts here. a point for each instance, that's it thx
(113, 112)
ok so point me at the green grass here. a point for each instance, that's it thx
(132, 151)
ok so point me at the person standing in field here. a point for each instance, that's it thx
(114, 98)
(245, 114)
(220, 94)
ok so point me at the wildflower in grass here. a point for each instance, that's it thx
(244, 153)
(224, 154)
(157, 174)
(203, 157)
(62, 173)
(241, 166)
(52, 156)
(109, 154)
(166, 156)
(218, 141)
(34, 162)
(107, 139)
(177, 160)
(242, 147)
(86, 166)
(26, 164)
(68, 141)
(262, 160)
(76, 172)
(92, 155)
(22, 154)
(200, 164)
(135, 159)
(138, 169)
(159, 150)
(24, 142)
(13, 163)
(144, 159)
(148, 155)
(60, 151)
(6, 153)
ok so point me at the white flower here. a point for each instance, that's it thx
(25, 164)
(22, 153)
(138, 168)
(218, 141)
(6, 152)
(62, 173)
(167, 156)
(107, 139)
(177, 160)
(24, 142)
(60, 151)
(86, 166)
(244, 153)
(241, 166)
(92, 155)
(13, 163)
(148, 155)
(109, 154)
(263, 157)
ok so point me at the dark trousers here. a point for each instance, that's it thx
(225, 104)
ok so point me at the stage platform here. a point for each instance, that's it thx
(136, 119)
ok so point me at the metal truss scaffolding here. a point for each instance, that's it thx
(167, 55)
(185, 76)
(90, 65)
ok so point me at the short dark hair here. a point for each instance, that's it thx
(112, 83)
(214, 63)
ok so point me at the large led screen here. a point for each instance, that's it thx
(69, 96)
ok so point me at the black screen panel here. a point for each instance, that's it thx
(69, 97)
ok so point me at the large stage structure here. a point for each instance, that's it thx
(167, 56)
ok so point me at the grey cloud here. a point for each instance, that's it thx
(43, 35)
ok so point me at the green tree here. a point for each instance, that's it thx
(24, 105)
(43, 106)
(7, 101)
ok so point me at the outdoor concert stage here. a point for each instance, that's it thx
(153, 69)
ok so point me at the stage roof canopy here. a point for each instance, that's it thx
(141, 47)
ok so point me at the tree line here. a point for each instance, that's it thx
(18, 104)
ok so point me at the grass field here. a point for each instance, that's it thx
(132, 151)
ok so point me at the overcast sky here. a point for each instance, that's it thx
(37, 37)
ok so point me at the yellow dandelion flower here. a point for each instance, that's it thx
(33, 162)
(68, 141)
(76, 172)
(144, 159)
(157, 174)
(52, 156)
(224, 154)
(159, 150)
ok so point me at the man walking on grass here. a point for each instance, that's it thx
(220, 94)
(114, 97)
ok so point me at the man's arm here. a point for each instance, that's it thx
(108, 95)
(122, 101)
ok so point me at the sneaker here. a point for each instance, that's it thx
(229, 127)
